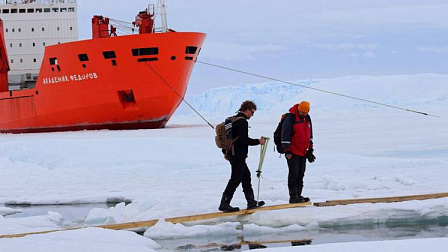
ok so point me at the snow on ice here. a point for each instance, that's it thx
(363, 150)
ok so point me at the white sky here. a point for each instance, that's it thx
(296, 39)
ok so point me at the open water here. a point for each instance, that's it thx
(411, 227)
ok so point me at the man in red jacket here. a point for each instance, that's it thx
(297, 141)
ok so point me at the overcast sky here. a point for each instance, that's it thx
(297, 39)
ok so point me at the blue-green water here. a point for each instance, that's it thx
(397, 228)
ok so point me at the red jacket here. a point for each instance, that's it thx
(297, 133)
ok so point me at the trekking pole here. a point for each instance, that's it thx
(260, 165)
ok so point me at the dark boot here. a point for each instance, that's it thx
(305, 199)
(299, 194)
(293, 197)
(251, 202)
(225, 205)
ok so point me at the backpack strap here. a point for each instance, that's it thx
(233, 145)
(234, 119)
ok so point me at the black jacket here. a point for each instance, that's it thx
(240, 128)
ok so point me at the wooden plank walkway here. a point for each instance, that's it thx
(199, 217)
(182, 219)
(381, 200)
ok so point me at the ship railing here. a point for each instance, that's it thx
(14, 2)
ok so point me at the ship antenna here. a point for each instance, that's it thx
(180, 96)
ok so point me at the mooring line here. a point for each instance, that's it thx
(317, 89)
(180, 96)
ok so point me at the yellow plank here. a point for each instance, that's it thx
(182, 219)
(381, 200)
(35, 233)
(129, 225)
(241, 212)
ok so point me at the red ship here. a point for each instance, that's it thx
(107, 82)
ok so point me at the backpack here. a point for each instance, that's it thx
(278, 135)
(224, 137)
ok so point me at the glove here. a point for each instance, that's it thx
(310, 156)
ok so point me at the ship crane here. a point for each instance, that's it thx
(4, 64)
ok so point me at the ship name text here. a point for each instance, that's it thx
(70, 78)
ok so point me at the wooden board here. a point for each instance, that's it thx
(381, 200)
(35, 233)
(182, 219)
(241, 212)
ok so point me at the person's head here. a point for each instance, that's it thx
(303, 108)
(248, 108)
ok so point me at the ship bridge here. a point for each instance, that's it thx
(30, 26)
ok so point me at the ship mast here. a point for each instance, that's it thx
(161, 11)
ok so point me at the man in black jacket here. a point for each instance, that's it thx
(237, 159)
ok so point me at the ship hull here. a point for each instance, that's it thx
(126, 82)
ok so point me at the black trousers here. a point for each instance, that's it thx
(240, 174)
(297, 166)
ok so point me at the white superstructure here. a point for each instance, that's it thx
(30, 26)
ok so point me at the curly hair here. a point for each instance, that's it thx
(247, 105)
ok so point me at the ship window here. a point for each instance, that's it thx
(30, 10)
(20, 29)
(34, 44)
(63, 9)
(5, 11)
(191, 49)
(71, 9)
(10, 45)
(21, 60)
(35, 60)
(55, 9)
(53, 61)
(39, 10)
(12, 61)
(83, 57)
(22, 11)
(47, 10)
(58, 28)
(43, 29)
(20, 44)
(188, 58)
(6, 29)
(32, 29)
(13, 30)
(13, 10)
(145, 51)
(71, 28)
(109, 55)
(147, 59)
(43, 43)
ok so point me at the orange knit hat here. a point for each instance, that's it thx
(304, 106)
